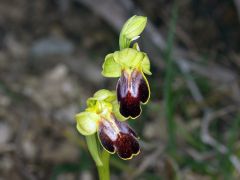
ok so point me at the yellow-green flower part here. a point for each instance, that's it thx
(132, 88)
(101, 117)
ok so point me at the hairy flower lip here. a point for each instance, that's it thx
(118, 137)
(132, 91)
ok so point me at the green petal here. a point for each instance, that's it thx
(104, 108)
(87, 123)
(110, 67)
(101, 95)
(91, 102)
(146, 65)
(105, 95)
(136, 46)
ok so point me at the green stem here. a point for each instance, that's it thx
(103, 171)
(123, 42)
(101, 159)
(93, 149)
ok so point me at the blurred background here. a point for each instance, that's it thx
(51, 52)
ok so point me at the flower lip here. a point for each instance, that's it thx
(132, 90)
(116, 136)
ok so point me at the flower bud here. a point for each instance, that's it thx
(131, 30)
(134, 27)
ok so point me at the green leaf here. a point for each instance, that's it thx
(87, 123)
(110, 67)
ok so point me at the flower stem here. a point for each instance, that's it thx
(93, 149)
(103, 171)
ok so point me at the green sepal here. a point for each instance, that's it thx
(130, 58)
(105, 95)
(145, 65)
(110, 67)
(87, 122)
(94, 149)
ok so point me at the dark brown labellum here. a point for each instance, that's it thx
(116, 136)
(131, 90)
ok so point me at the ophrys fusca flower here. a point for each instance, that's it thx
(130, 65)
(102, 117)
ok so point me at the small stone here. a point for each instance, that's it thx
(5, 133)
(29, 148)
(4, 100)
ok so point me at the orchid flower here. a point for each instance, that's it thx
(102, 117)
(131, 65)
(132, 88)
